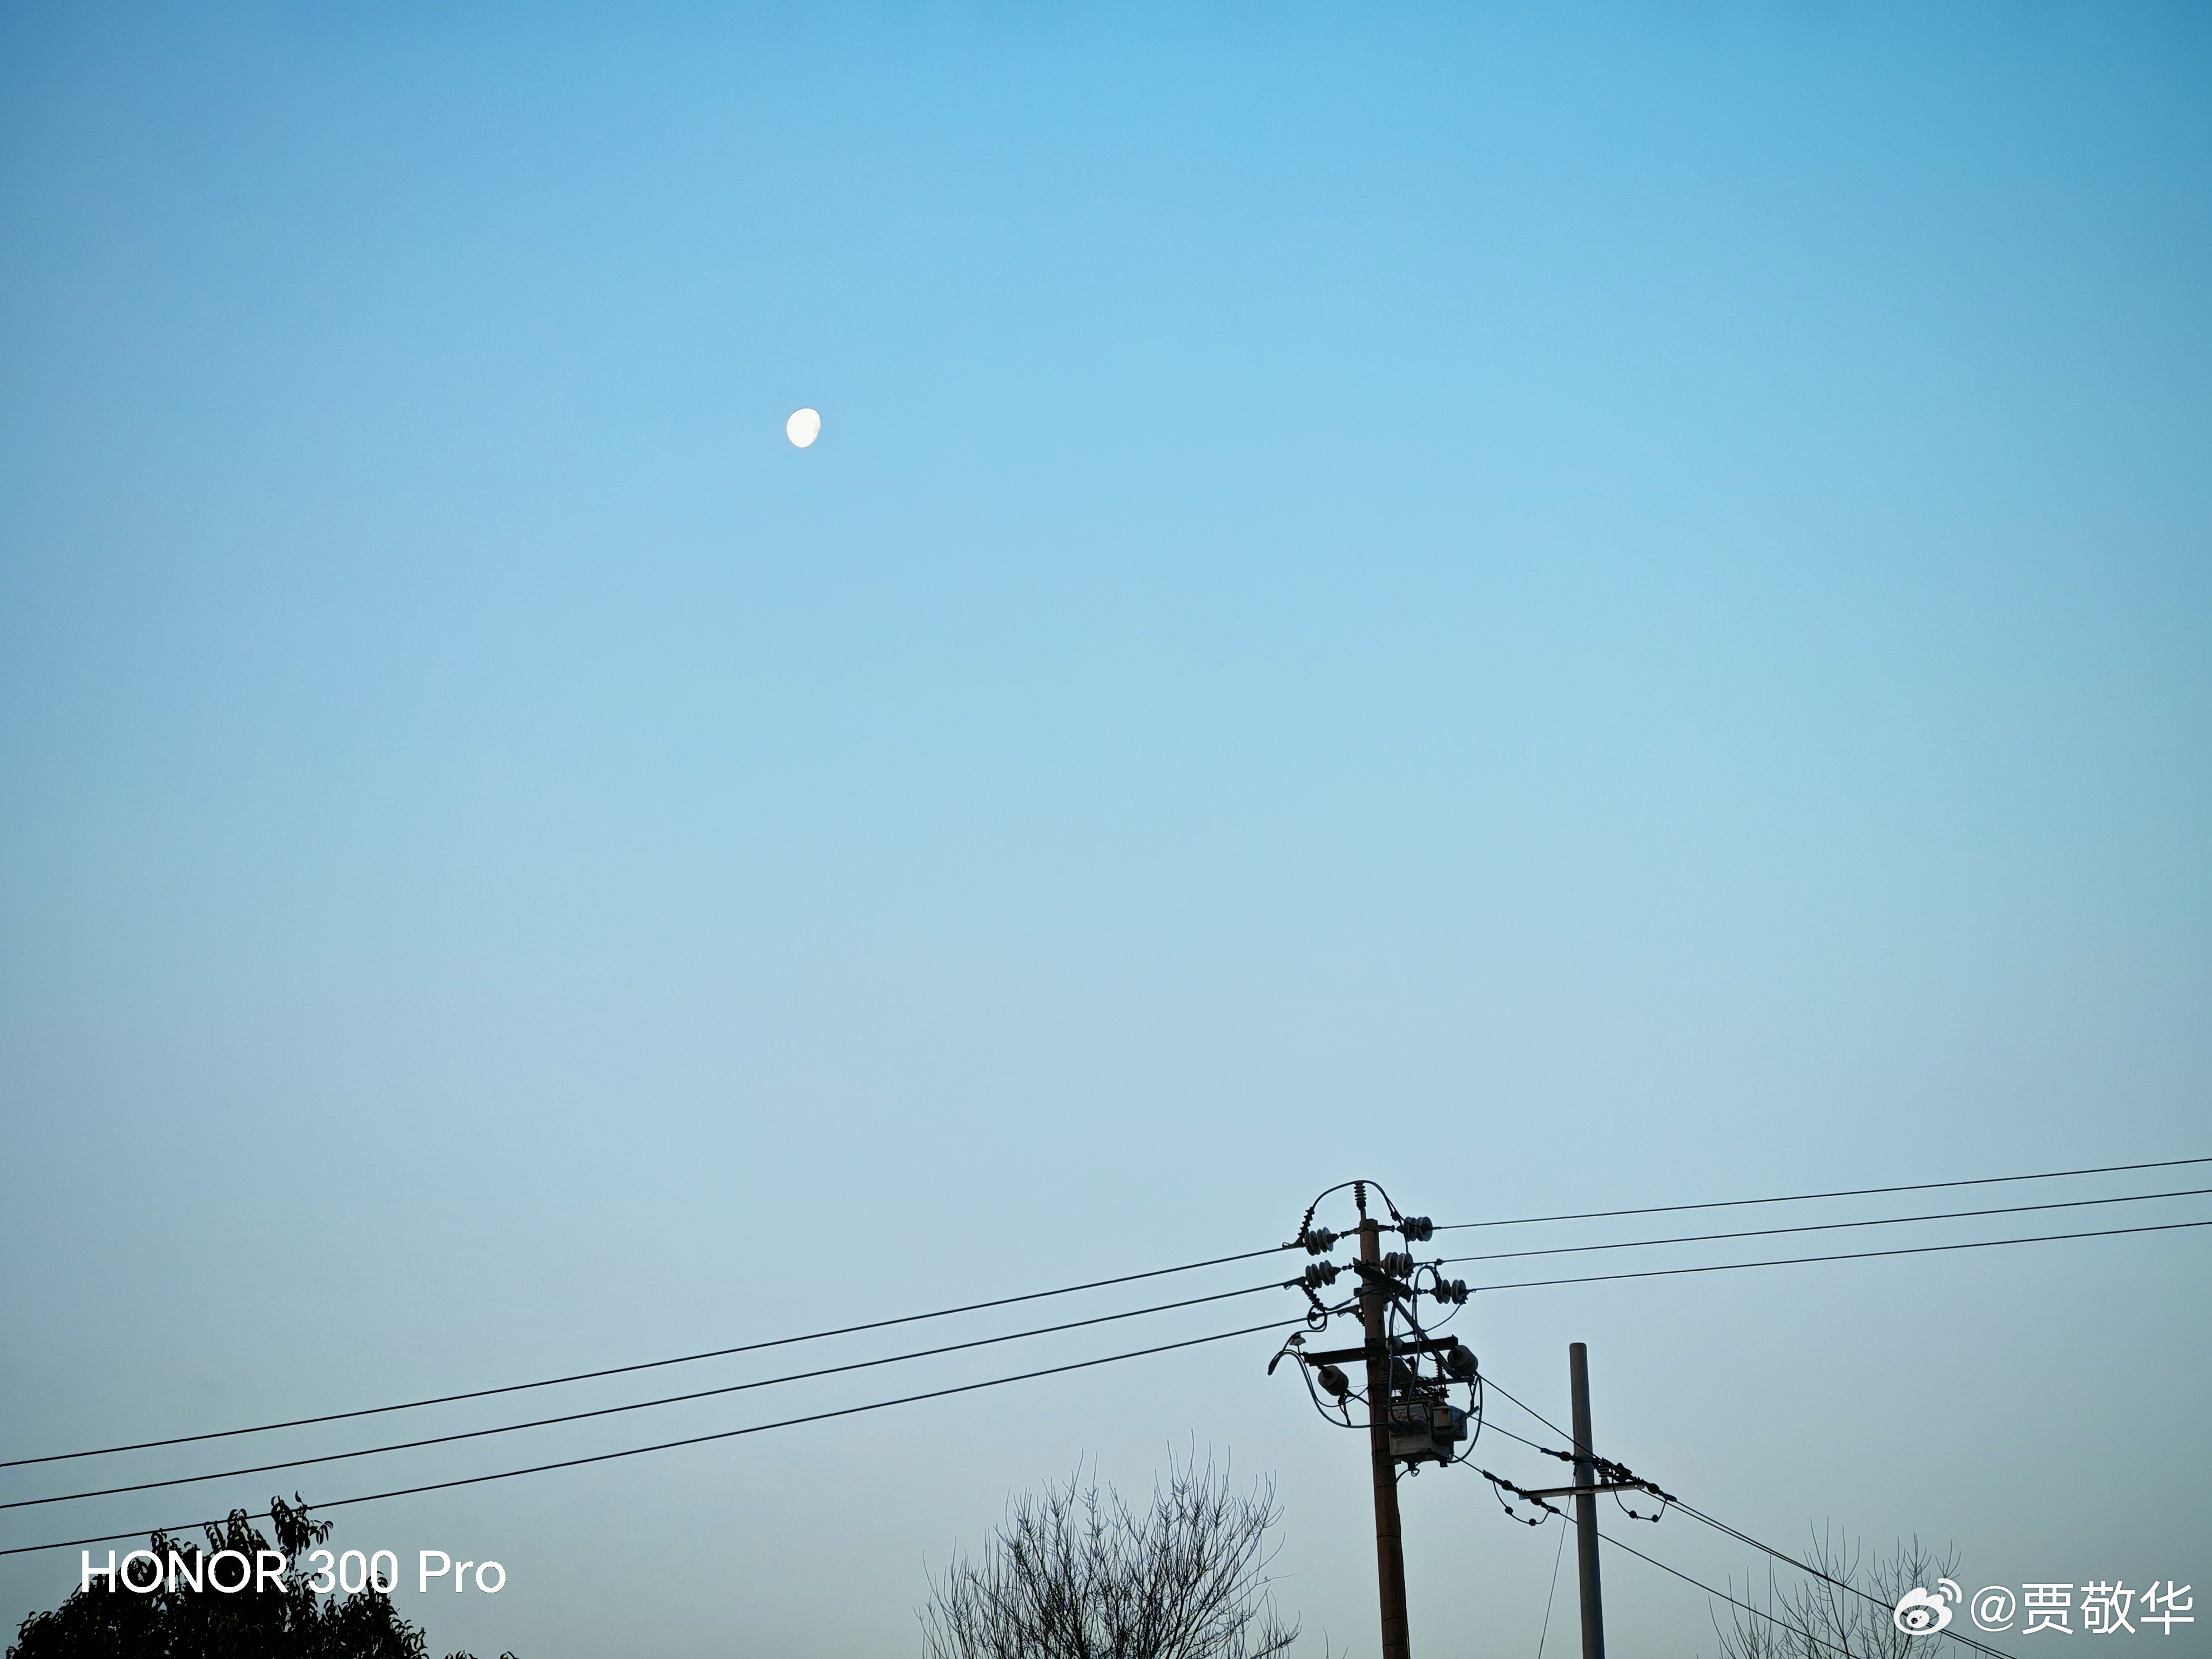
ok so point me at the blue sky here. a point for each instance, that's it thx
(1565, 606)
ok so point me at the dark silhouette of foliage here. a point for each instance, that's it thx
(188, 1623)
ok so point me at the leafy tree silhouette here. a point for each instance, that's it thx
(294, 1623)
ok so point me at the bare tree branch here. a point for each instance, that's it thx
(1821, 1620)
(1074, 1573)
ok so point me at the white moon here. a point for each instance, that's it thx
(804, 426)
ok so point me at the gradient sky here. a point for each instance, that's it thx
(1564, 606)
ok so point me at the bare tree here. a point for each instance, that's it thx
(1074, 1574)
(1841, 1610)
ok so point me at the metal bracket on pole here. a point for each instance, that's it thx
(1426, 1345)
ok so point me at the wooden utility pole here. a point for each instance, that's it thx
(1389, 1545)
(1585, 1503)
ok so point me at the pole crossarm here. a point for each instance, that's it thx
(1426, 1345)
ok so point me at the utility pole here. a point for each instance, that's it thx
(1389, 1542)
(1585, 1501)
(1410, 1416)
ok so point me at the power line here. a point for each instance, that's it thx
(1558, 1553)
(1804, 1566)
(1800, 1197)
(1723, 1594)
(1489, 1427)
(1830, 1226)
(974, 1307)
(1848, 1255)
(1793, 1561)
(689, 1440)
(1493, 1382)
(1722, 1527)
(645, 1366)
(639, 1406)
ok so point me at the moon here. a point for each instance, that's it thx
(804, 426)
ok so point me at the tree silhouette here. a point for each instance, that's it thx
(293, 1623)
(1074, 1574)
(1841, 1609)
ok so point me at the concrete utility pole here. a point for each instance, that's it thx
(1389, 1545)
(1410, 1416)
(1585, 1502)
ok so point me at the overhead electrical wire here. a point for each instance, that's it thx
(688, 1440)
(1746, 1606)
(1801, 1198)
(1848, 1255)
(1532, 1412)
(643, 1365)
(1000, 1301)
(1796, 1630)
(1558, 1554)
(1073, 1289)
(1508, 1433)
(1804, 1566)
(1719, 1525)
(1801, 1564)
(1829, 1226)
(636, 1406)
